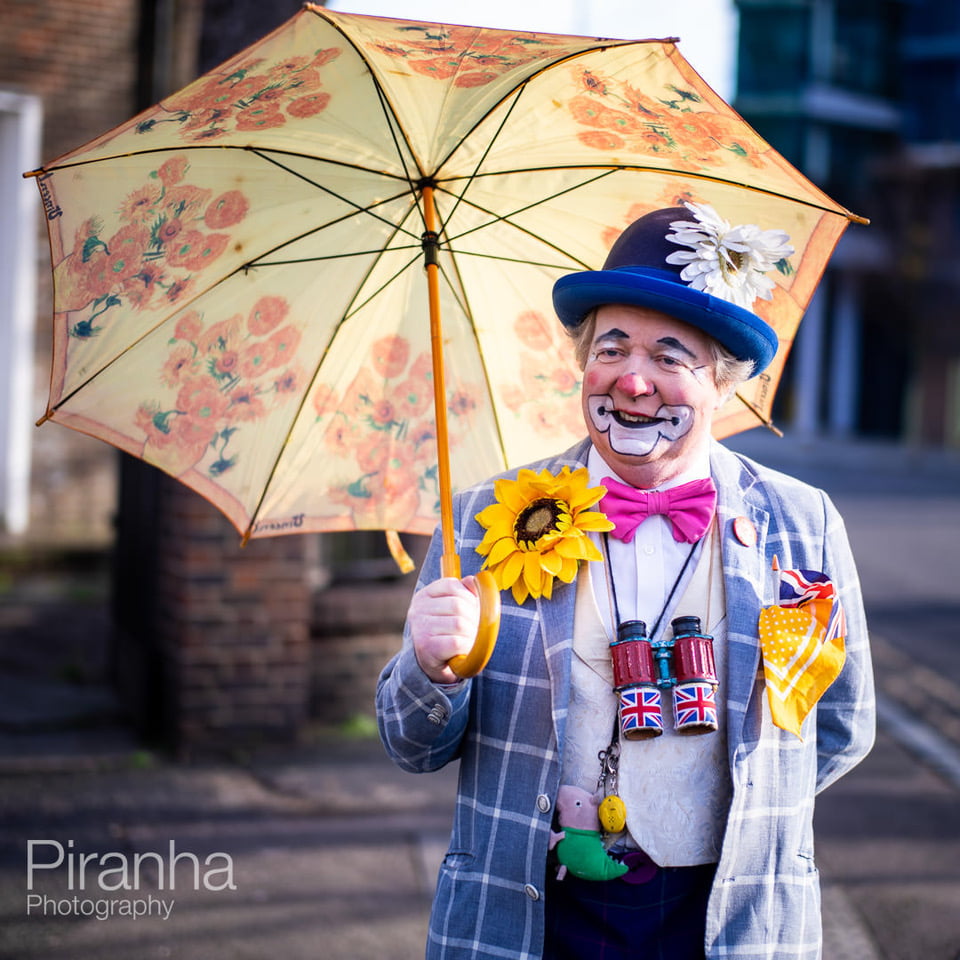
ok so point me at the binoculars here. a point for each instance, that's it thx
(644, 668)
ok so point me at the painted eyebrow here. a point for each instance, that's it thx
(614, 334)
(617, 334)
(677, 345)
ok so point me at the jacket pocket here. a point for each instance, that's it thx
(458, 860)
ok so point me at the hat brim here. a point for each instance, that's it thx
(742, 332)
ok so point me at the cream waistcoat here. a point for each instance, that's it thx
(676, 788)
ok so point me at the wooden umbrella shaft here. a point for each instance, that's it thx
(450, 560)
(470, 664)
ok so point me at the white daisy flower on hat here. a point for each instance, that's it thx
(727, 262)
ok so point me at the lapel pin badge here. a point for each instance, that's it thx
(745, 531)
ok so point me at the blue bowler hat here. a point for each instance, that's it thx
(636, 273)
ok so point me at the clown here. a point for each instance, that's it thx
(718, 830)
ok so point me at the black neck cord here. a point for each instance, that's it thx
(613, 586)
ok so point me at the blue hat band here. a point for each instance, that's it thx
(742, 332)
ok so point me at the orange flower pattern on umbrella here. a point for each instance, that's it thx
(247, 94)
(548, 395)
(169, 231)
(676, 124)
(227, 373)
(471, 57)
(384, 424)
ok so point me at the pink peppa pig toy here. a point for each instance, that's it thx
(579, 845)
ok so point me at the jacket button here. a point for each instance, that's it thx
(543, 803)
(531, 891)
(437, 714)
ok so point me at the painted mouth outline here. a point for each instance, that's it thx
(637, 434)
(635, 421)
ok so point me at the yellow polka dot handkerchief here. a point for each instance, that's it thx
(802, 643)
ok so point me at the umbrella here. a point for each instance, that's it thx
(238, 272)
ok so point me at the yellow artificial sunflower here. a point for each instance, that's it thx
(537, 530)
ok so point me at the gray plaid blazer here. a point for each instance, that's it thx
(507, 727)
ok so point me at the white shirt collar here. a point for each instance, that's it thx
(599, 468)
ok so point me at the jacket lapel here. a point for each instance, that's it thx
(556, 616)
(747, 579)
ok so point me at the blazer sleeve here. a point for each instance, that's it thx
(846, 713)
(421, 723)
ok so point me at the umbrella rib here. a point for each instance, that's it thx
(331, 256)
(505, 218)
(352, 308)
(260, 262)
(464, 304)
(520, 260)
(393, 123)
(245, 147)
(355, 307)
(358, 208)
(483, 156)
(392, 117)
(524, 81)
(689, 175)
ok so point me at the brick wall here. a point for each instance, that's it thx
(356, 628)
(80, 57)
(232, 630)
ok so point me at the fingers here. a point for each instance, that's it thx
(444, 617)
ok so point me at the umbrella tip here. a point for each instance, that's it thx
(760, 415)
(775, 565)
(400, 556)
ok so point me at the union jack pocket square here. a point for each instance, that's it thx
(802, 641)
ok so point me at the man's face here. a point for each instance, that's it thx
(649, 393)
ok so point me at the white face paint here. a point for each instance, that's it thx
(649, 394)
(637, 436)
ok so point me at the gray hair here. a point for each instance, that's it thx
(728, 371)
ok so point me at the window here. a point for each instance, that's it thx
(20, 121)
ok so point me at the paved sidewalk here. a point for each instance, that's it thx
(326, 852)
(333, 850)
(329, 851)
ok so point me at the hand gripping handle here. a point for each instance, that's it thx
(470, 664)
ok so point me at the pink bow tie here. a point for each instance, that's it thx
(689, 507)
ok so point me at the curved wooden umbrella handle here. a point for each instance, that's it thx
(470, 664)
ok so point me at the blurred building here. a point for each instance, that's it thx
(864, 97)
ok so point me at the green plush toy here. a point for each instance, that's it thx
(579, 843)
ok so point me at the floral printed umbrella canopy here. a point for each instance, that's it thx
(239, 271)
